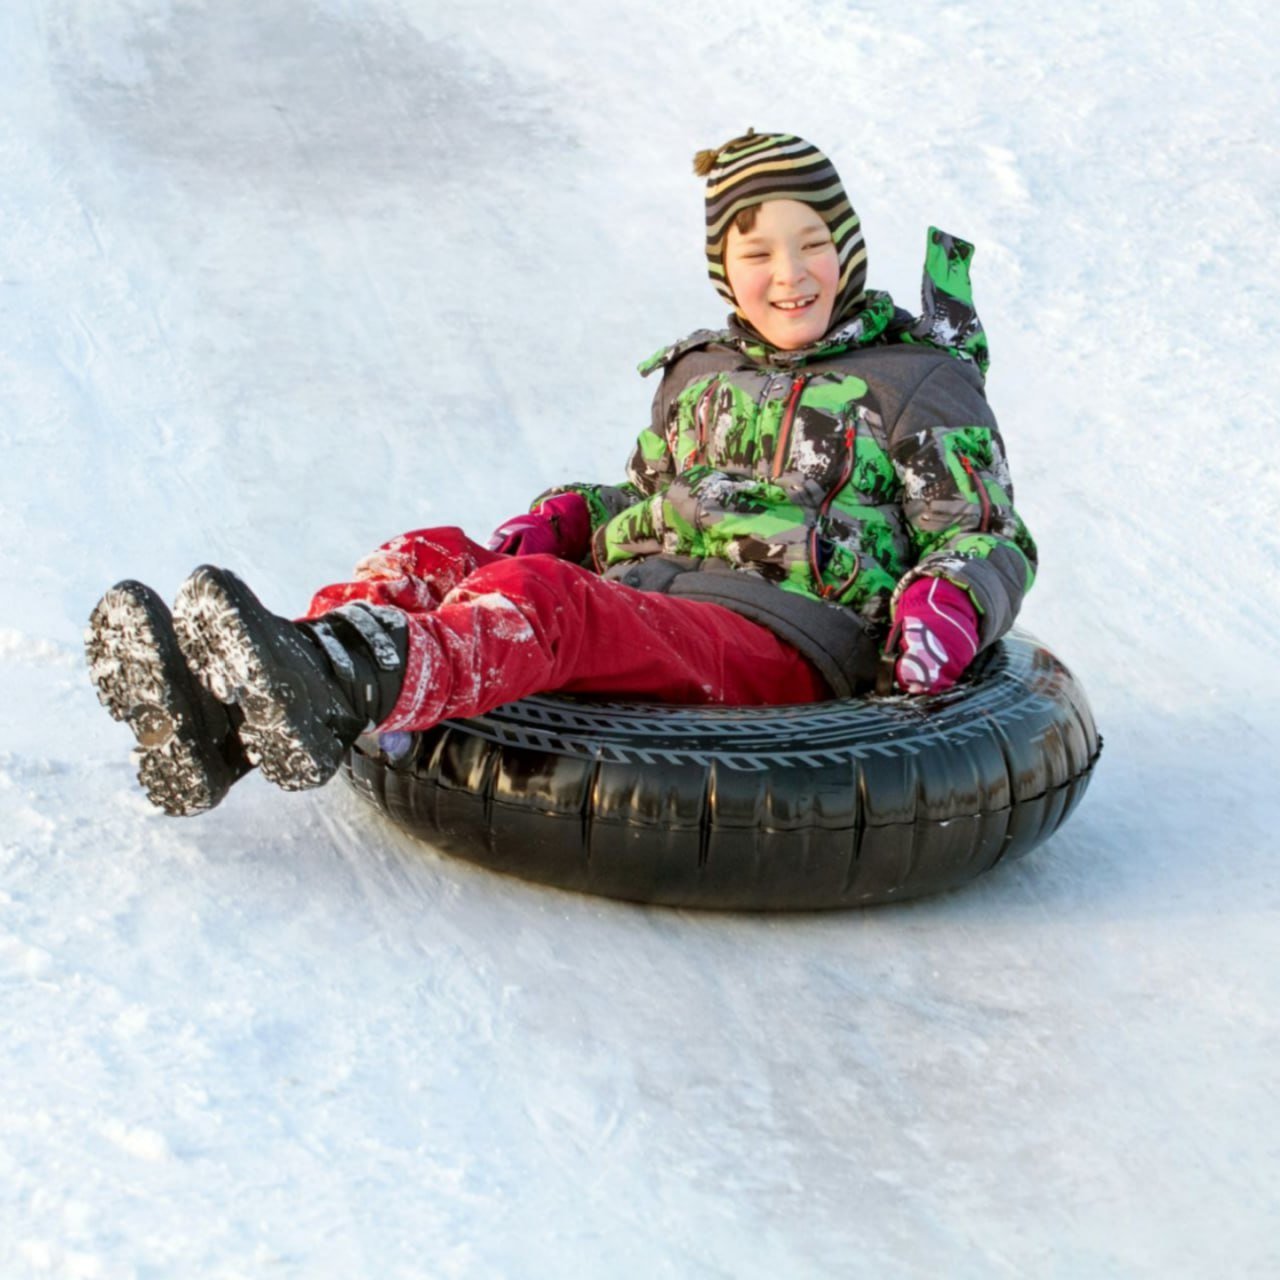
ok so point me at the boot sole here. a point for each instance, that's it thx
(214, 624)
(142, 680)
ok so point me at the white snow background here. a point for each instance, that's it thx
(282, 278)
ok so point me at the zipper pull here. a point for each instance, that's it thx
(984, 522)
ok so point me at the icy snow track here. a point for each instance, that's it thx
(280, 280)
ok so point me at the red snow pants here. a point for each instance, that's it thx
(485, 629)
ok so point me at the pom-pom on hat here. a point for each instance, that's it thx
(756, 167)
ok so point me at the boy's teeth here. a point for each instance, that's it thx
(793, 306)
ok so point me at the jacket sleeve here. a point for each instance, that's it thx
(958, 498)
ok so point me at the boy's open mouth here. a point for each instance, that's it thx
(795, 304)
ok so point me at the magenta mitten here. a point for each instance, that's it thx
(938, 637)
(561, 526)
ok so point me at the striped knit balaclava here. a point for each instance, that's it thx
(779, 166)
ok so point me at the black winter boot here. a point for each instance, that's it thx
(306, 690)
(188, 754)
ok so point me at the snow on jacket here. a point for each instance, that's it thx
(806, 489)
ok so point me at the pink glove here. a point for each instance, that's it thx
(561, 526)
(939, 635)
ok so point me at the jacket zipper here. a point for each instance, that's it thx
(784, 431)
(700, 421)
(984, 524)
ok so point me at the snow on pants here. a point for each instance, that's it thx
(485, 629)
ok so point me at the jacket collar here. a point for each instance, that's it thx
(866, 327)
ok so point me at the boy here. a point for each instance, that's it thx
(822, 472)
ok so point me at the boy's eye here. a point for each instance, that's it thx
(818, 244)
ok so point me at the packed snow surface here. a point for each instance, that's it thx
(282, 278)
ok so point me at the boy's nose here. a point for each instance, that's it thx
(789, 267)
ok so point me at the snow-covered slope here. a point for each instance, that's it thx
(280, 278)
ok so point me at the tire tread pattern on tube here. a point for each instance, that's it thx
(833, 804)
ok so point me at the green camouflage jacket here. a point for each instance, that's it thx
(806, 488)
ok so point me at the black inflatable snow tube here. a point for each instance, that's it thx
(832, 804)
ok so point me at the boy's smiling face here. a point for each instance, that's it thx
(784, 273)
